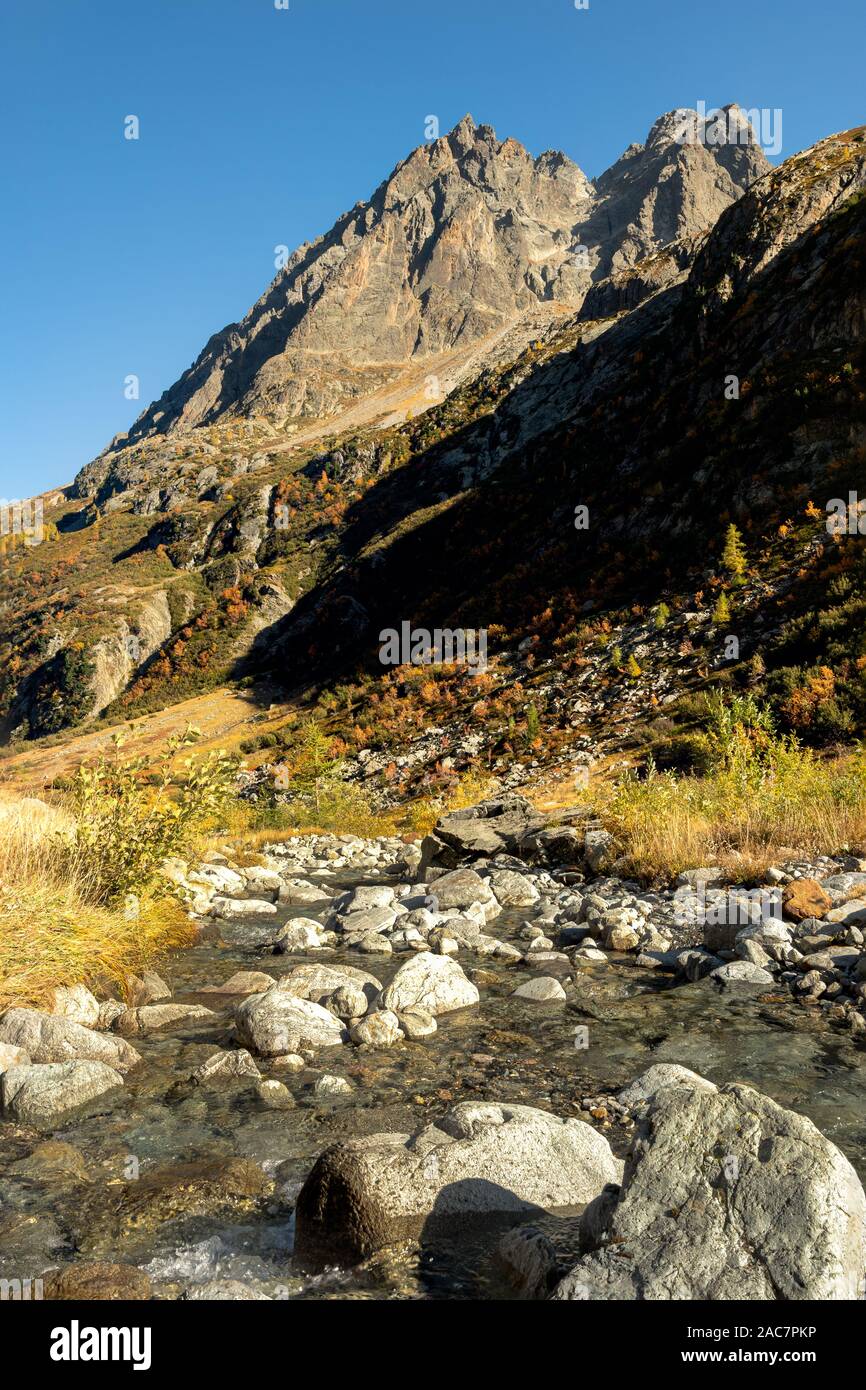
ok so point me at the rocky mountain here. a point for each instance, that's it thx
(465, 235)
(701, 364)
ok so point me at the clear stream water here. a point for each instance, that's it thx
(117, 1198)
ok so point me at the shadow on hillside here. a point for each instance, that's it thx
(625, 423)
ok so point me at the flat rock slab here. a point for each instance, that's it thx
(236, 909)
(154, 1017)
(317, 982)
(543, 990)
(243, 982)
(96, 1280)
(496, 826)
(297, 892)
(742, 972)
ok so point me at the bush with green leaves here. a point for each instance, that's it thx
(128, 819)
(318, 792)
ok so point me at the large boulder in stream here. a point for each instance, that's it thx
(41, 1095)
(479, 1162)
(275, 1023)
(435, 984)
(492, 827)
(727, 1195)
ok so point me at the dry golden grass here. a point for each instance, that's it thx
(409, 819)
(50, 938)
(51, 931)
(798, 805)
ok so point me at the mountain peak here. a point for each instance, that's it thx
(685, 125)
(464, 127)
(465, 238)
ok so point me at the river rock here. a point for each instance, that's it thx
(275, 1095)
(851, 914)
(154, 1017)
(464, 888)
(109, 1012)
(558, 844)
(621, 938)
(288, 1061)
(831, 958)
(417, 1024)
(364, 898)
(242, 982)
(359, 925)
(123, 1213)
(318, 982)
(263, 880)
(598, 850)
(277, 1022)
(328, 1085)
(530, 1261)
(147, 988)
(702, 877)
(13, 1056)
(436, 984)
(53, 1162)
(655, 1078)
(727, 1195)
(371, 945)
(50, 1039)
(299, 934)
(542, 990)
(496, 826)
(347, 1002)
(41, 1094)
(96, 1280)
(804, 897)
(512, 889)
(380, 1029)
(77, 1003)
(219, 877)
(236, 909)
(696, 964)
(225, 1064)
(841, 887)
(479, 1160)
(742, 972)
(298, 892)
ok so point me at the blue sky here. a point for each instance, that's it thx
(259, 126)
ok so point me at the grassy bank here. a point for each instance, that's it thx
(759, 799)
(81, 896)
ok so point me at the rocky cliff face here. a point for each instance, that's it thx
(465, 236)
(729, 392)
